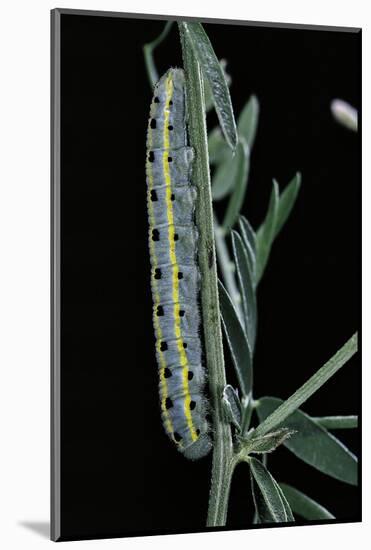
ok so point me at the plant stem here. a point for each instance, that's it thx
(309, 388)
(222, 464)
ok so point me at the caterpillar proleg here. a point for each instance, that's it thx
(175, 277)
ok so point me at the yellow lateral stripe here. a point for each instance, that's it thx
(173, 260)
(167, 419)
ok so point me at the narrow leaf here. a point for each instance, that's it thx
(214, 74)
(314, 444)
(240, 184)
(336, 422)
(286, 202)
(237, 341)
(148, 53)
(249, 240)
(248, 121)
(268, 502)
(265, 234)
(232, 405)
(229, 173)
(245, 280)
(304, 506)
(209, 100)
(310, 387)
(227, 267)
(289, 514)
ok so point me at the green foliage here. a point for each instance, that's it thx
(248, 121)
(215, 77)
(337, 422)
(249, 240)
(243, 254)
(309, 387)
(237, 341)
(265, 443)
(271, 505)
(232, 405)
(231, 175)
(279, 209)
(314, 444)
(246, 286)
(265, 234)
(304, 506)
(209, 100)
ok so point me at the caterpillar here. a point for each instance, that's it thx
(175, 277)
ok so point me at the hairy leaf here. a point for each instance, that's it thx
(267, 498)
(237, 341)
(215, 77)
(249, 240)
(245, 280)
(267, 443)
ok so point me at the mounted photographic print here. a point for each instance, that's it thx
(206, 260)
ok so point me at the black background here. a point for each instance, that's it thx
(120, 474)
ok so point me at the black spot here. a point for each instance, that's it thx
(157, 273)
(155, 235)
(177, 437)
(192, 405)
(167, 372)
(176, 237)
(180, 275)
(170, 127)
(185, 345)
(172, 197)
(154, 196)
(197, 432)
(151, 156)
(170, 102)
(210, 259)
(168, 403)
(163, 346)
(190, 375)
(181, 313)
(160, 311)
(156, 100)
(170, 159)
(153, 123)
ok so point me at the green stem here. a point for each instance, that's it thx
(222, 464)
(309, 388)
